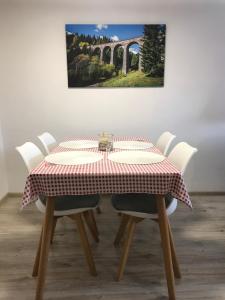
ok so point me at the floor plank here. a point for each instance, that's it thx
(199, 237)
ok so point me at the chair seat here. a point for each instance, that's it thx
(66, 205)
(140, 203)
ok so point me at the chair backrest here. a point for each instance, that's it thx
(164, 141)
(31, 155)
(48, 141)
(181, 155)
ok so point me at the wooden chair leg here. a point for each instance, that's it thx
(92, 217)
(130, 233)
(55, 219)
(98, 209)
(46, 237)
(37, 258)
(164, 232)
(85, 243)
(90, 225)
(176, 267)
(121, 230)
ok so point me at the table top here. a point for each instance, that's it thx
(105, 177)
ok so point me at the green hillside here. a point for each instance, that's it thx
(132, 79)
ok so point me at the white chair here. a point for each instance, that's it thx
(137, 207)
(48, 141)
(74, 207)
(164, 141)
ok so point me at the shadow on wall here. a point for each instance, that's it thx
(213, 111)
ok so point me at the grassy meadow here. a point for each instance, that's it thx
(132, 79)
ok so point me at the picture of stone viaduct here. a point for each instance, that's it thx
(113, 46)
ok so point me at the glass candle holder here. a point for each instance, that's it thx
(105, 141)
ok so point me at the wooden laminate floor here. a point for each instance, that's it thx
(200, 241)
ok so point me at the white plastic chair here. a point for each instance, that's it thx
(48, 141)
(164, 141)
(137, 207)
(74, 207)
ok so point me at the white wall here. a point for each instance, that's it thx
(3, 170)
(3, 174)
(191, 104)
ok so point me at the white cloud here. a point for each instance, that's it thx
(96, 30)
(133, 51)
(114, 38)
(101, 36)
(69, 33)
(101, 26)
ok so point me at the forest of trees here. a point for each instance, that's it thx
(153, 50)
(84, 67)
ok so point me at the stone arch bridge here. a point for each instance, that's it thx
(115, 45)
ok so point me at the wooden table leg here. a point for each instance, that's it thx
(176, 267)
(37, 258)
(46, 238)
(164, 232)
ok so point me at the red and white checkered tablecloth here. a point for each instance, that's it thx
(105, 177)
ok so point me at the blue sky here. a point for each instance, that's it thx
(122, 32)
(112, 31)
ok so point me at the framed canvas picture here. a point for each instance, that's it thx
(113, 55)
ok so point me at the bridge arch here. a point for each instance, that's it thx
(106, 56)
(118, 56)
(113, 48)
(135, 57)
(97, 51)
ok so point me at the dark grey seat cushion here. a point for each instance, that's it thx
(143, 203)
(73, 201)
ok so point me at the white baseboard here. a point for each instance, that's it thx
(4, 197)
(11, 195)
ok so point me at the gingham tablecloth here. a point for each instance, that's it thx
(105, 177)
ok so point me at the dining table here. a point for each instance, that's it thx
(105, 176)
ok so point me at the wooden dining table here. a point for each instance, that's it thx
(105, 177)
